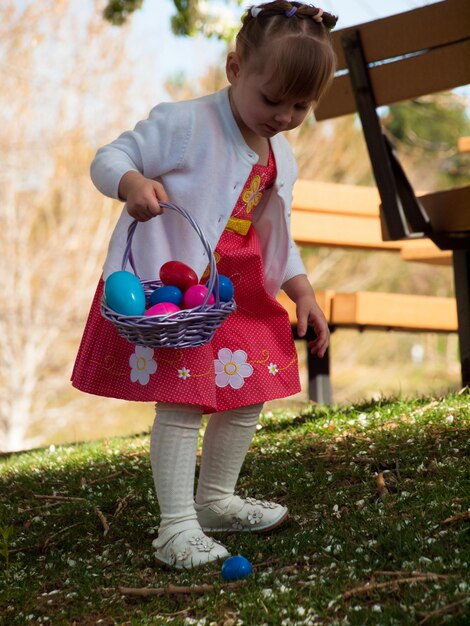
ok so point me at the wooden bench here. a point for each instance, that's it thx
(348, 216)
(371, 310)
(390, 60)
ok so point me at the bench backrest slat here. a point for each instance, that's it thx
(437, 70)
(428, 27)
(411, 54)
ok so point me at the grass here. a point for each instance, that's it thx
(379, 495)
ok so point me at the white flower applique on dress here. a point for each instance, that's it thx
(184, 373)
(231, 368)
(273, 369)
(143, 365)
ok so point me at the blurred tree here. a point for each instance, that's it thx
(426, 132)
(54, 226)
(211, 19)
(117, 11)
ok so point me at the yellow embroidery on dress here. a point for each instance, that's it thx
(109, 365)
(264, 358)
(177, 358)
(238, 225)
(252, 196)
(291, 362)
(210, 372)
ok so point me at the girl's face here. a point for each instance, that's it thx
(256, 105)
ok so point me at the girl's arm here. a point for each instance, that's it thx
(308, 313)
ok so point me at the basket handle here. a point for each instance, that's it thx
(213, 282)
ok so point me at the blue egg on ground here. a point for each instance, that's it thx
(236, 568)
(226, 290)
(124, 293)
(167, 293)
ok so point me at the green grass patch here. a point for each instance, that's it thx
(379, 495)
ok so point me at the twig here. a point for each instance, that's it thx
(145, 592)
(123, 502)
(367, 588)
(460, 517)
(443, 610)
(103, 520)
(381, 486)
(407, 574)
(58, 498)
(397, 468)
(98, 480)
(39, 506)
(59, 532)
(424, 408)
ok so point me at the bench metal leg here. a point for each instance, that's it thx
(461, 261)
(319, 383)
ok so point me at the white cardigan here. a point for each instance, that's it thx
(196, 150)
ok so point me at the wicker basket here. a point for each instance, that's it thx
(187, 328)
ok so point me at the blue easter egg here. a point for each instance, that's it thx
(236, 568)
(226, 290)
(124, 293)
(167, 293)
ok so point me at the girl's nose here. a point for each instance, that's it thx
(283, 117)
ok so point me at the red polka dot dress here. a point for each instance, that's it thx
(251, 358)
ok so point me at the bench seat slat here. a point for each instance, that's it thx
(377, 310)
(394, 311)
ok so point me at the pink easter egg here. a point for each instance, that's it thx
(194, 296)
(162, 308)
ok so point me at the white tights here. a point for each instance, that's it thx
(173, 449)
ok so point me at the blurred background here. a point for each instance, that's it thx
(72, 79)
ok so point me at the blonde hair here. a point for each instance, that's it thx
(296, 48)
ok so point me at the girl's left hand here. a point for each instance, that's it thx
(310, 314)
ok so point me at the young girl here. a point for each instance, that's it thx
(223, 157)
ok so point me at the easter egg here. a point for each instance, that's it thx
(236, 568)
(124, 293)
(194, 296)
(167, 293)
(162, 308)
(226, 290)
(178, 274)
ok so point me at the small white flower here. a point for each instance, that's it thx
(231, 368)
(273, 369)
(184, 373)
(424, 560)
(142, 365)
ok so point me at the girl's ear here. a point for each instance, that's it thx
(232, 67)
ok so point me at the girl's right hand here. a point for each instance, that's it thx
(142, 196)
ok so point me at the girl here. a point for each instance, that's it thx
(224, 158)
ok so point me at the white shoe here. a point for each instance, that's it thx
(187, 549)
(241, 515)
